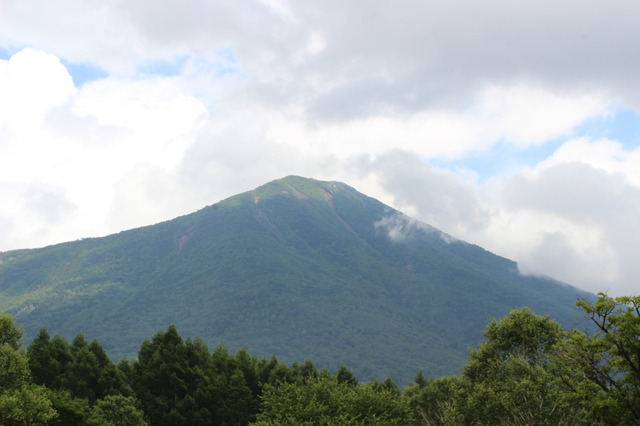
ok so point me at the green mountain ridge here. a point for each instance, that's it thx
(296, 268)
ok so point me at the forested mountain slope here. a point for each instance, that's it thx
(298, 268)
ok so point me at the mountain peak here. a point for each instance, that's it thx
(300, 187)
(298, 267)
(295, 187)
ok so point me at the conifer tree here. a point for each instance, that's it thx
(173, 380)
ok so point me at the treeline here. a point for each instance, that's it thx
(528, 371)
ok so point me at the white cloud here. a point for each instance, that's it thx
(31, 82)
(604, 154)
(565, 218)
(519, 116)
(403, 57)
(399, 228)
(316, 43)
(160, 120)
(590, 214)
(66, 147)
(280, 7)
(439, 197)
(525, 115)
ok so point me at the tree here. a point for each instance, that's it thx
(82, 375)
(110, 380)
(60, 358)
(25, 404)
(13, 361)
(322, 400)
(249, 366)
(83, 369)
(344, 375)
(159, 378)
(420, 380)
(279, 373)
(509, 375)
(437, 401)
(601, 370)
(387, 385)
(235, 404)
(21, 402)
(173, 379)
(40, 359)
(116, 410)
(71, 411)
(304, 371)
(237, 387)
(200, 380)
(265, 368)
(91, 374)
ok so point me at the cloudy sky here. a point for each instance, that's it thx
(514, 125)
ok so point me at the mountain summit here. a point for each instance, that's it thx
(297, 268)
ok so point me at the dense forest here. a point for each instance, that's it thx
(527, 371)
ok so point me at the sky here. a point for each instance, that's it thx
(511, 125)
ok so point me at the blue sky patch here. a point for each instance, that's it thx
(164, 67)
(228, 64)
(81, 72)
(622, 126)
(5, 53)
(84, 72)
(502, 159)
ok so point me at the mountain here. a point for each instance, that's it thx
(296, 268)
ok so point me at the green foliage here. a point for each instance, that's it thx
(25, 404)
(10, 334)
(326, 401)
(387, 385)
(508, 379)
(116, 410)
(61, 357)
(304, 371)
(237, 405)
(530, 372)
(174, 380)
(13, 361)
(21, 402)
(344, 375)
(40, 359)
(82, 368)
(509, 374)
(238, 386)
(71, 411)
(437, 401)
(601, 371)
